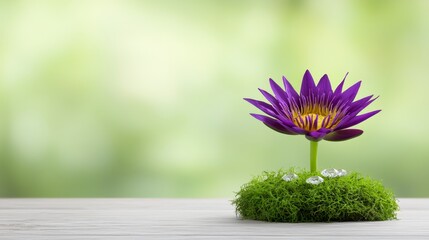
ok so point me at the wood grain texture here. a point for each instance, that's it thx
(185, 219)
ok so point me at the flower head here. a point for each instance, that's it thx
(318, 112)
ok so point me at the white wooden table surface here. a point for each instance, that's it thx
(185, 219)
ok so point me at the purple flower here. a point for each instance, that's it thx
(318, 112)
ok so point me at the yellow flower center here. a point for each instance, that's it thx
(310, 122)
(312, 117)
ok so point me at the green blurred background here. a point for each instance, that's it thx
(144, 98)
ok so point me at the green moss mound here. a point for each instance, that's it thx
(348, 198)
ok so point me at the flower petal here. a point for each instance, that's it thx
(278, 91)
(316, 135)
(271, 99)
(307, 86)
(339, 88)
(324, 85)
(298, 130)
(274, 124)
(356, 120)
(263, 106)
(351, 92)
(342, 135)
(359, 105)
(277, 106)
(290, 91)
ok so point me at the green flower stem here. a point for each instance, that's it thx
(313, 156)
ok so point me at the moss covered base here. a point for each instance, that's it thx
(352, 197)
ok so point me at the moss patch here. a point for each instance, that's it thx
(348, 198)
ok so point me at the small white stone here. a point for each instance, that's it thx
(314, 180)
(342, 172)
(330, 172)
(289, 177)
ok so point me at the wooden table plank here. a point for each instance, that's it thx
(184, 219)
